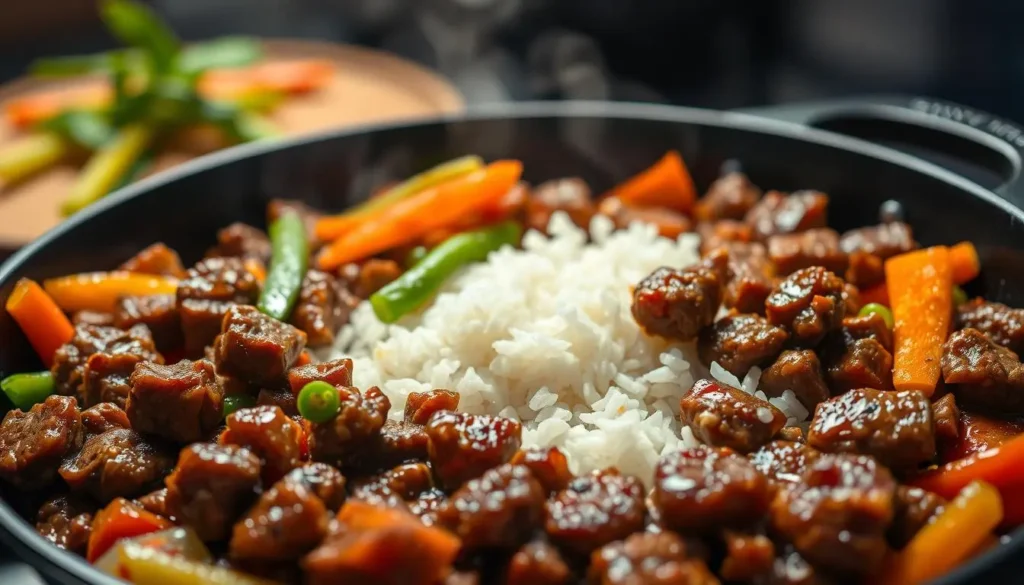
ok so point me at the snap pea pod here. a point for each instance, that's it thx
(419, 283)
(24, 390)
(289, 259)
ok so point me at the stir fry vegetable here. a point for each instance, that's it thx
(233, 402)
(963, 258)
(665, 184)
(40, 319)
(107, 167)
(29, 155)
(288, 261)
(24, 390)
(181, 542)
(419, 283)
(318, 402)
(880, 310)
(99, 291)
(121, 519)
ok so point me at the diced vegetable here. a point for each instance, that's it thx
(666, 184)
(40, 319)
(964, 525)
(121, 519)
(233, 402)
(281, 76)
(921, 292)
(959, 296)
(181, 542)
(318, 402)
(107, 167)
(963, 257)
(288, 262)
(330, 228)
(148, 565)
(99, 291)
(30, 155)
(304, 358)
(877, 309)
(24, 390)
(418, 284)
(433, 208)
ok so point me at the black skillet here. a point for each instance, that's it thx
(600, 142)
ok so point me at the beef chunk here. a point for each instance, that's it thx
(1000, 323)
(406, 481)
(776, 213)
(809, 303)
(884, 240)
(211, 287)
(648, 559)
(895, 427)
(985, 376)
(791, 568)
(979, 433)
(723, 416)
(704, 488)
(212, 486)
(797, 370)
(538, 563)
(181, 402)
(104, 417)
(346, 438)
(548, 465)
(155, 502)
(749, 275)
(837, 514)
(281, 398)
(66, 521)
(677, 304)
(96, 363)
(324, 481)
(816, 247)
(277, 207)
(369, 277)
(739, 342)
(865, 270)
(117, 463)
(255, 347)
(92, 318)
(159, 313)
(594, 510)
(498, 510)
(324, 305)
(946, 415)
(783, 461)
(870, 326)
(668, 222)
(240, 240)
(420, 406)
(719, 234)
(913, 509)
(571, 196)
(33, 443)
(156, 259)
(731, 196)
(268, 432)
(463, 446)
(337, 373)
(856, 363)
(399, 442)
(749, 558)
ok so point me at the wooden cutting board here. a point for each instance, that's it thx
(369, 86)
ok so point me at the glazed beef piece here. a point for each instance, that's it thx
(648, 559)
(594, 510)
(369, 277)
(337, 373)
(895, 427)
(96, 363)
(677, 304)
(1002, 324)
(883, 241)
(399, 442)
(159, 313)
(913, 509)
(420, 406)
(538, 563)
(749, 275)
(155, 502)
(256, 348)
(783, 461)
(104, 417)
(310, 217)
(749, 558)
(979, 433)
(946, 415)
(66, 521)
(798, 370)
(281, 398)
(463, 446)
(777, 213)
(731, 196)
(571, 196)
(323, 307)
(791, 568)
(856, 363)
(871, 326)
(156, 259)
(722, 416)
(499, 510)
(984, 376)
(269, 433)
(722, 233)
(211, 487)
(809, 303)
(816, 247)
(738, 342)
(33, 443)
(181, 402)
(92, 318)
(240, 240)
(836, 516)
(668, 222)
(117, 463)
(407, 481)
(703, 489)
(548, 465)
(212, 287)
(865, 270)
(344, 440)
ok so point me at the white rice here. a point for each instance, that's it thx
(545, 335)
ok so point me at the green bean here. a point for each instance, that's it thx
(24, 390)
(30, 155)
(107, 166)
(419, 283)
(288, 262)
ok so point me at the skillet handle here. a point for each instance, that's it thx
(982, 147)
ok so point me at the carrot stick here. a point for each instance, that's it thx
(121, 519)
(666, 183)
(1001, 466)
(961, 528)
(44, 324)
(963, 258)
(99, 291)
(921, 291)
(407, 220)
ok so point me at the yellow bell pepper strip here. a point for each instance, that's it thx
(99, 291)
(103, 171)
(40, 319)
(29, 155)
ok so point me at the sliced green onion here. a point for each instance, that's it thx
(878, 309)
(24, 390)
(318, 402)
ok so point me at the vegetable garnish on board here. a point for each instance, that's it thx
(99, 291)
(40, 319)
(288, 260)
(24, 390)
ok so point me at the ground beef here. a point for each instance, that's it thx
(883, 241)
(677, 304)
(33, 443)
(256, 348)
(212, 287)
(739, 342)
(96, 363)
(731, 196)
(816, 247)
(420, 406)
(571, 196)
(809, 303)
(269, 433)
(783, 461)
(156, 259)
(537, 563)
(594, 510)
(722, 416)
(648, 559)
(463, 446)
(797, 370)
(323, 307)
(155, 502)
(66, 521)
(984, 376)
(777, 213)
(180, 402)
(239, 240)
(353, 433)
(549, 465)
(159, 313)
(117, 463)
(498, 510)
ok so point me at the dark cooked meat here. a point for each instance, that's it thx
(156, 259)
(791, 568)
(648, 559)
(731, 196)
(594, 510)
(856, 363)
(345, 439)
(407, 481)
(738, 342)
(783, 461)
(104, 417)
(1002, 324)
(677, 304)
(792, 434)
(157, 312)
(33, 443)
(324, 481)
(884, 240)
(256, 348)
(722, 233)
(570, 195)
(749, 558)
(537, 563)
(323, 307)
(946, 415)
(913, 509)
(837, 514)
(871, 326)
(310, 217)
(181, 402)
(895, 427)
(369, 277)
(983, 375)
(463, 446)
(66, 521)
(269, 433)
(722, 416)
(96, 363)
(155, 502)
(282, 398)
(212, 287)
(809, 303)
(240, 240)
(798, 370)
(211, 487)
(865, 270)
(548, 465)
(749, 275)
(117, 463)
(668, 222)
(337, 373)
(704, 488)
(420, 406)
(777, 213)
(399, 442)
(92, 318)
(815, 247)
(979, 433)
(499, 510)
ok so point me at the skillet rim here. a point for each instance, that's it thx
(26, 542)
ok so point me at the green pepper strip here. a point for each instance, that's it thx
(419, 283)
(288, 262)
(24, 390)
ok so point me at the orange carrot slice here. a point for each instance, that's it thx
(121, 519)
(44, 324)
(667, 183)
(966, 266)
